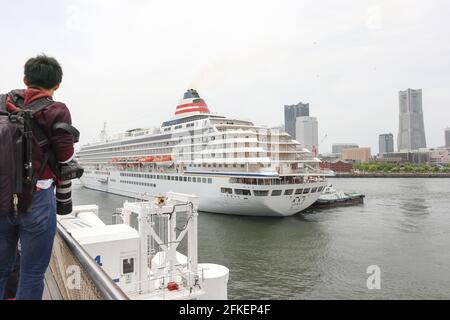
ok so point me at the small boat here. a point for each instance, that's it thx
(330, 197)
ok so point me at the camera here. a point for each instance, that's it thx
(64, 197)
(66, 173)
(71, 170)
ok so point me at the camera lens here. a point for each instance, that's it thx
(64, 197)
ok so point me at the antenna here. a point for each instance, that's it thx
(103, 133)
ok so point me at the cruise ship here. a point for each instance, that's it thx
(234, 166)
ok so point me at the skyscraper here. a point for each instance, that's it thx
(308, 133)
(291, 113)
(411, 134)
(447, 138)
(386, 143)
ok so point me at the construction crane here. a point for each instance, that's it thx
(323, 139)
(316, 149)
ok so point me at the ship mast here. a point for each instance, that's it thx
(103, 133)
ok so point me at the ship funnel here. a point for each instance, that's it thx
(191, 104)
(191, 93)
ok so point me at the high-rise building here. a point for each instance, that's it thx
(447, 138)
(337, 148)
(386, 143)
(291, 113)
(411, 134)
(307, 130)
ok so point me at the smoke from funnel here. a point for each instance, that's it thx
(215, 74)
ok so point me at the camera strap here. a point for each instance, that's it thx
(68, 128)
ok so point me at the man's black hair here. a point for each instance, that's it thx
(43, 72)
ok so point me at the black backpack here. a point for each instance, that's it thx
(17, 131)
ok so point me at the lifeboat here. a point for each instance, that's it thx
(163, 160)
(147, 159)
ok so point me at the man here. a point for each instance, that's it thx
(13, 281)
(35, 228)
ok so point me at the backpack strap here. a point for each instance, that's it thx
(16, 97)
(33, 108)
(34, 131)
(3, 110)
(38, 174)
(38, 105)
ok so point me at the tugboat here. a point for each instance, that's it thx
(330, 197)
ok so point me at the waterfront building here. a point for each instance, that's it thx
(337, 166)
(411, 135)
(307, 130)
(440, 156)
(386, 143)
(337, 148)
(447, 138)
(417, 157)
(359, 155)
(329, 157)
(291, 113)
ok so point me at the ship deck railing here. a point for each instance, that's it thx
(275, 182)
(74, 275)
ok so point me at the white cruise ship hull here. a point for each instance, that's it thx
(209, 190)
(233, 166)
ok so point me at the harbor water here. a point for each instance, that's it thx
(403, 228)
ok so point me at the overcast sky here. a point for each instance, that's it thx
(128, 63)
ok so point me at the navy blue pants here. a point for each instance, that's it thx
(36, 231)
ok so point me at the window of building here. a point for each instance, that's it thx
(226, 190)
(128, 266)
(242, 192)
(261, 193)
(276, 193)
